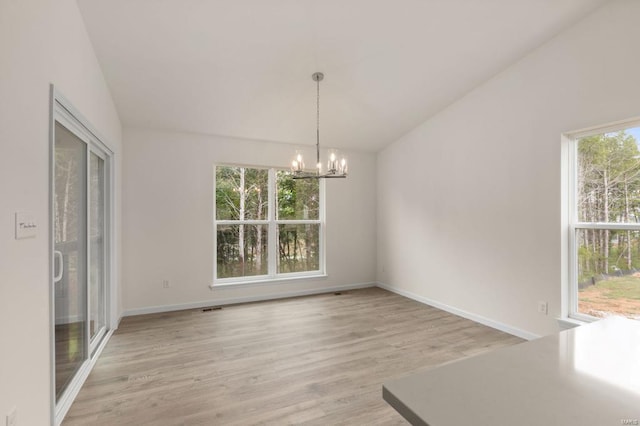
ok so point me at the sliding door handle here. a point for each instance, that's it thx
(57, 259)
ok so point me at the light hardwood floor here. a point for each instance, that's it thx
(308, 360)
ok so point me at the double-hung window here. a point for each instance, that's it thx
(604, 223)
(268, 226)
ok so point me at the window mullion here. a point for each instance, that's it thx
(322, 215)
(241, 222)
(608, 225)
(573, 226)
(298, 222)
(273, 243)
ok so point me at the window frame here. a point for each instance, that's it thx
(570, 289)
(272, 233)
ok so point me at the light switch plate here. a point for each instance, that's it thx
(26, 226)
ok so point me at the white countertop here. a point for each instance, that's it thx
(589, 375)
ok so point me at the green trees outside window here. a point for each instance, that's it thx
(267, 223)
(607, 232)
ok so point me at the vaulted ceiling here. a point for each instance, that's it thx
(242, 68)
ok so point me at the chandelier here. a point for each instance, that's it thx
(336, 164)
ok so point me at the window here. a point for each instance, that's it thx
(604, 237)
(267, 225)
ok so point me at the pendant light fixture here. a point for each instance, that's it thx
(336, 164)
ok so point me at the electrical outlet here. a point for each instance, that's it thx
(543, 307)
(12, 417)
(165, 284)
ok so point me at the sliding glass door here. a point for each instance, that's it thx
(70, 255)
(80, 243)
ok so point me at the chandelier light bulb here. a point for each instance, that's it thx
(297, 165)
(332, 164)
(342, 166)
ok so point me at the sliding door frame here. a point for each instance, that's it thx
(63, 112)
(94, 341)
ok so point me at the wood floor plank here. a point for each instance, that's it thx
(316, 360)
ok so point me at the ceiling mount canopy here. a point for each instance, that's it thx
(336, 163)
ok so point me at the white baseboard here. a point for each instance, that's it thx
(459, 312)
(234, 300)
(246, 299)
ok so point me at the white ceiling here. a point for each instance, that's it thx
(243, 68)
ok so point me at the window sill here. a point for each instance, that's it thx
(569, 323)
(260, 282)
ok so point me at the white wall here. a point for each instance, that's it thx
(168, 220)
(41, 42)
(474, 220)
